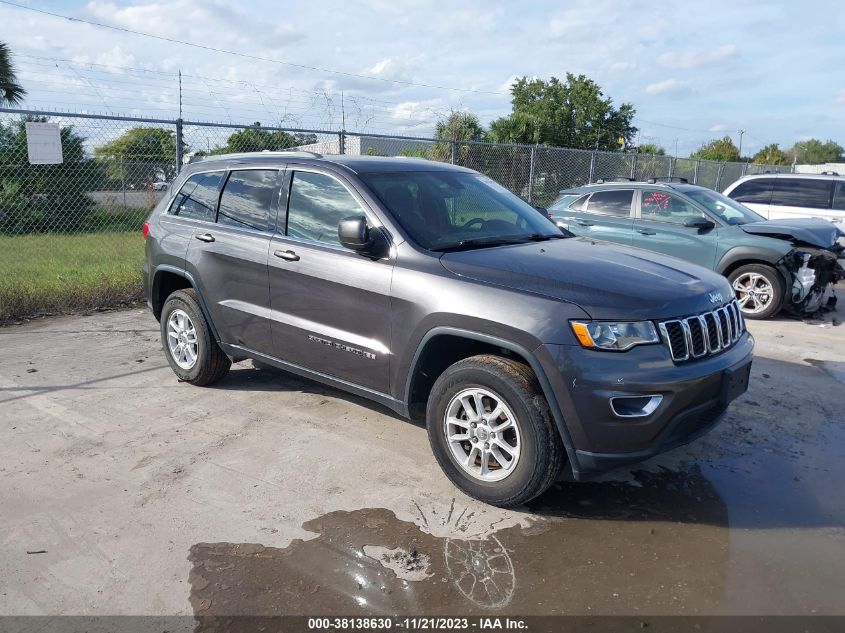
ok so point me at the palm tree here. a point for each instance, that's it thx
(11, 92)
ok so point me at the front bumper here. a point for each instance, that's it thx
(694, 397)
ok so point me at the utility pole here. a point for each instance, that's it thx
(676, 148)
(180, 93)
(741, 132)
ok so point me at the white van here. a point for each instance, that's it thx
(782, 196)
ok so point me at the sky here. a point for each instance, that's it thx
(693, 71)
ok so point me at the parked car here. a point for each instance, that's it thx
(434, 291)
(783, 196)
(771, 265)
(160, 185)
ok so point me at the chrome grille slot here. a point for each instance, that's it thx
(703, 334)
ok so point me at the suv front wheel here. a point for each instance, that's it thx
(190, 348)
(491, 430)
(759, 290)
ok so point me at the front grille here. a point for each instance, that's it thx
(703, 334)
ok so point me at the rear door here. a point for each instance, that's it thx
(801, 198)
(603, 215)
(230, 258)
(754, 193)
(330, 306)
(660, 227)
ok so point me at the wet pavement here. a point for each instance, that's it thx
(270, 495)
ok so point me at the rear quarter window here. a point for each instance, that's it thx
(197, 198)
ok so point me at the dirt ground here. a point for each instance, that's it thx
(123, 491)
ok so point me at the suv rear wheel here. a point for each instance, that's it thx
(491, 430)
(190, 348)
(759, 290)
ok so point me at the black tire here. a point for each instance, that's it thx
(211, 363)
(775, 281)
(541, 455)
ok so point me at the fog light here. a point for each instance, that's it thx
(635, 406)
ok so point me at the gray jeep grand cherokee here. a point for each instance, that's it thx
(432, 290)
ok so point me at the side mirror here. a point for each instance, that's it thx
(355, 235)
(699, 222)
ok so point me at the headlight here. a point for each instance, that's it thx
(614, 336)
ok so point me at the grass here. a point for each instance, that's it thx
(56, 273)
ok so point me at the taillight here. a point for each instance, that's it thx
(145, 230)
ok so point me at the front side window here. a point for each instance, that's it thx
(197, 198)
(728, 210)
(316, 206)
(802, 192)
(661, 206)
(247, 199)
(615, 202)
(754, 191)
(446, 210)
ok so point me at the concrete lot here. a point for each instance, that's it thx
(123, 491)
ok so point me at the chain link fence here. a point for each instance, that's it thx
(69, 233)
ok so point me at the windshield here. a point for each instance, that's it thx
(728, 210)
(444, 210)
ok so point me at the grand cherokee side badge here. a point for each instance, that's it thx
(342, 347)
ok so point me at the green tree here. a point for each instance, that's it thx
(574, 113)
(11, 92)
(139, 156)
(257, 139)
(457, 126)
(721, 149)
(814, 152)
(771, 155)
(651, 148)
(43, 198)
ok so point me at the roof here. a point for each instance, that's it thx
(356, 164)
(628, 184)
(831, 175)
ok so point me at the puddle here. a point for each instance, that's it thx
(368, 561)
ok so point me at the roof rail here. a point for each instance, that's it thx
(657, 179)
(266, 152)
(601, 181)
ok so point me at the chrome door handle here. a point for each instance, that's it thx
(585, 222)
(205, 237)
(646, 232)
(289, 256)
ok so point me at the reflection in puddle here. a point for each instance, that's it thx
(670, 559)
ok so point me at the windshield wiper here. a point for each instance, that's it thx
(489, 242)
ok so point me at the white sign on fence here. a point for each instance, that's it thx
(44, 143)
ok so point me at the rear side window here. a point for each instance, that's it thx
(755, 191)
(839, 196)
(197, 199)
(317, 205)
(802, 192)
(615, 202)
(247, 199)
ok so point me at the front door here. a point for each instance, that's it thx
(330, 306)
(660, 227)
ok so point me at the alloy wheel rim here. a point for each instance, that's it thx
(182, 339)
(753, 292)
(483, 434)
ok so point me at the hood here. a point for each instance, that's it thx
(812, 231)
(606, 280)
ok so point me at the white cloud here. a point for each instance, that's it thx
(719, 127)
(669, 87)
(698, 58)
